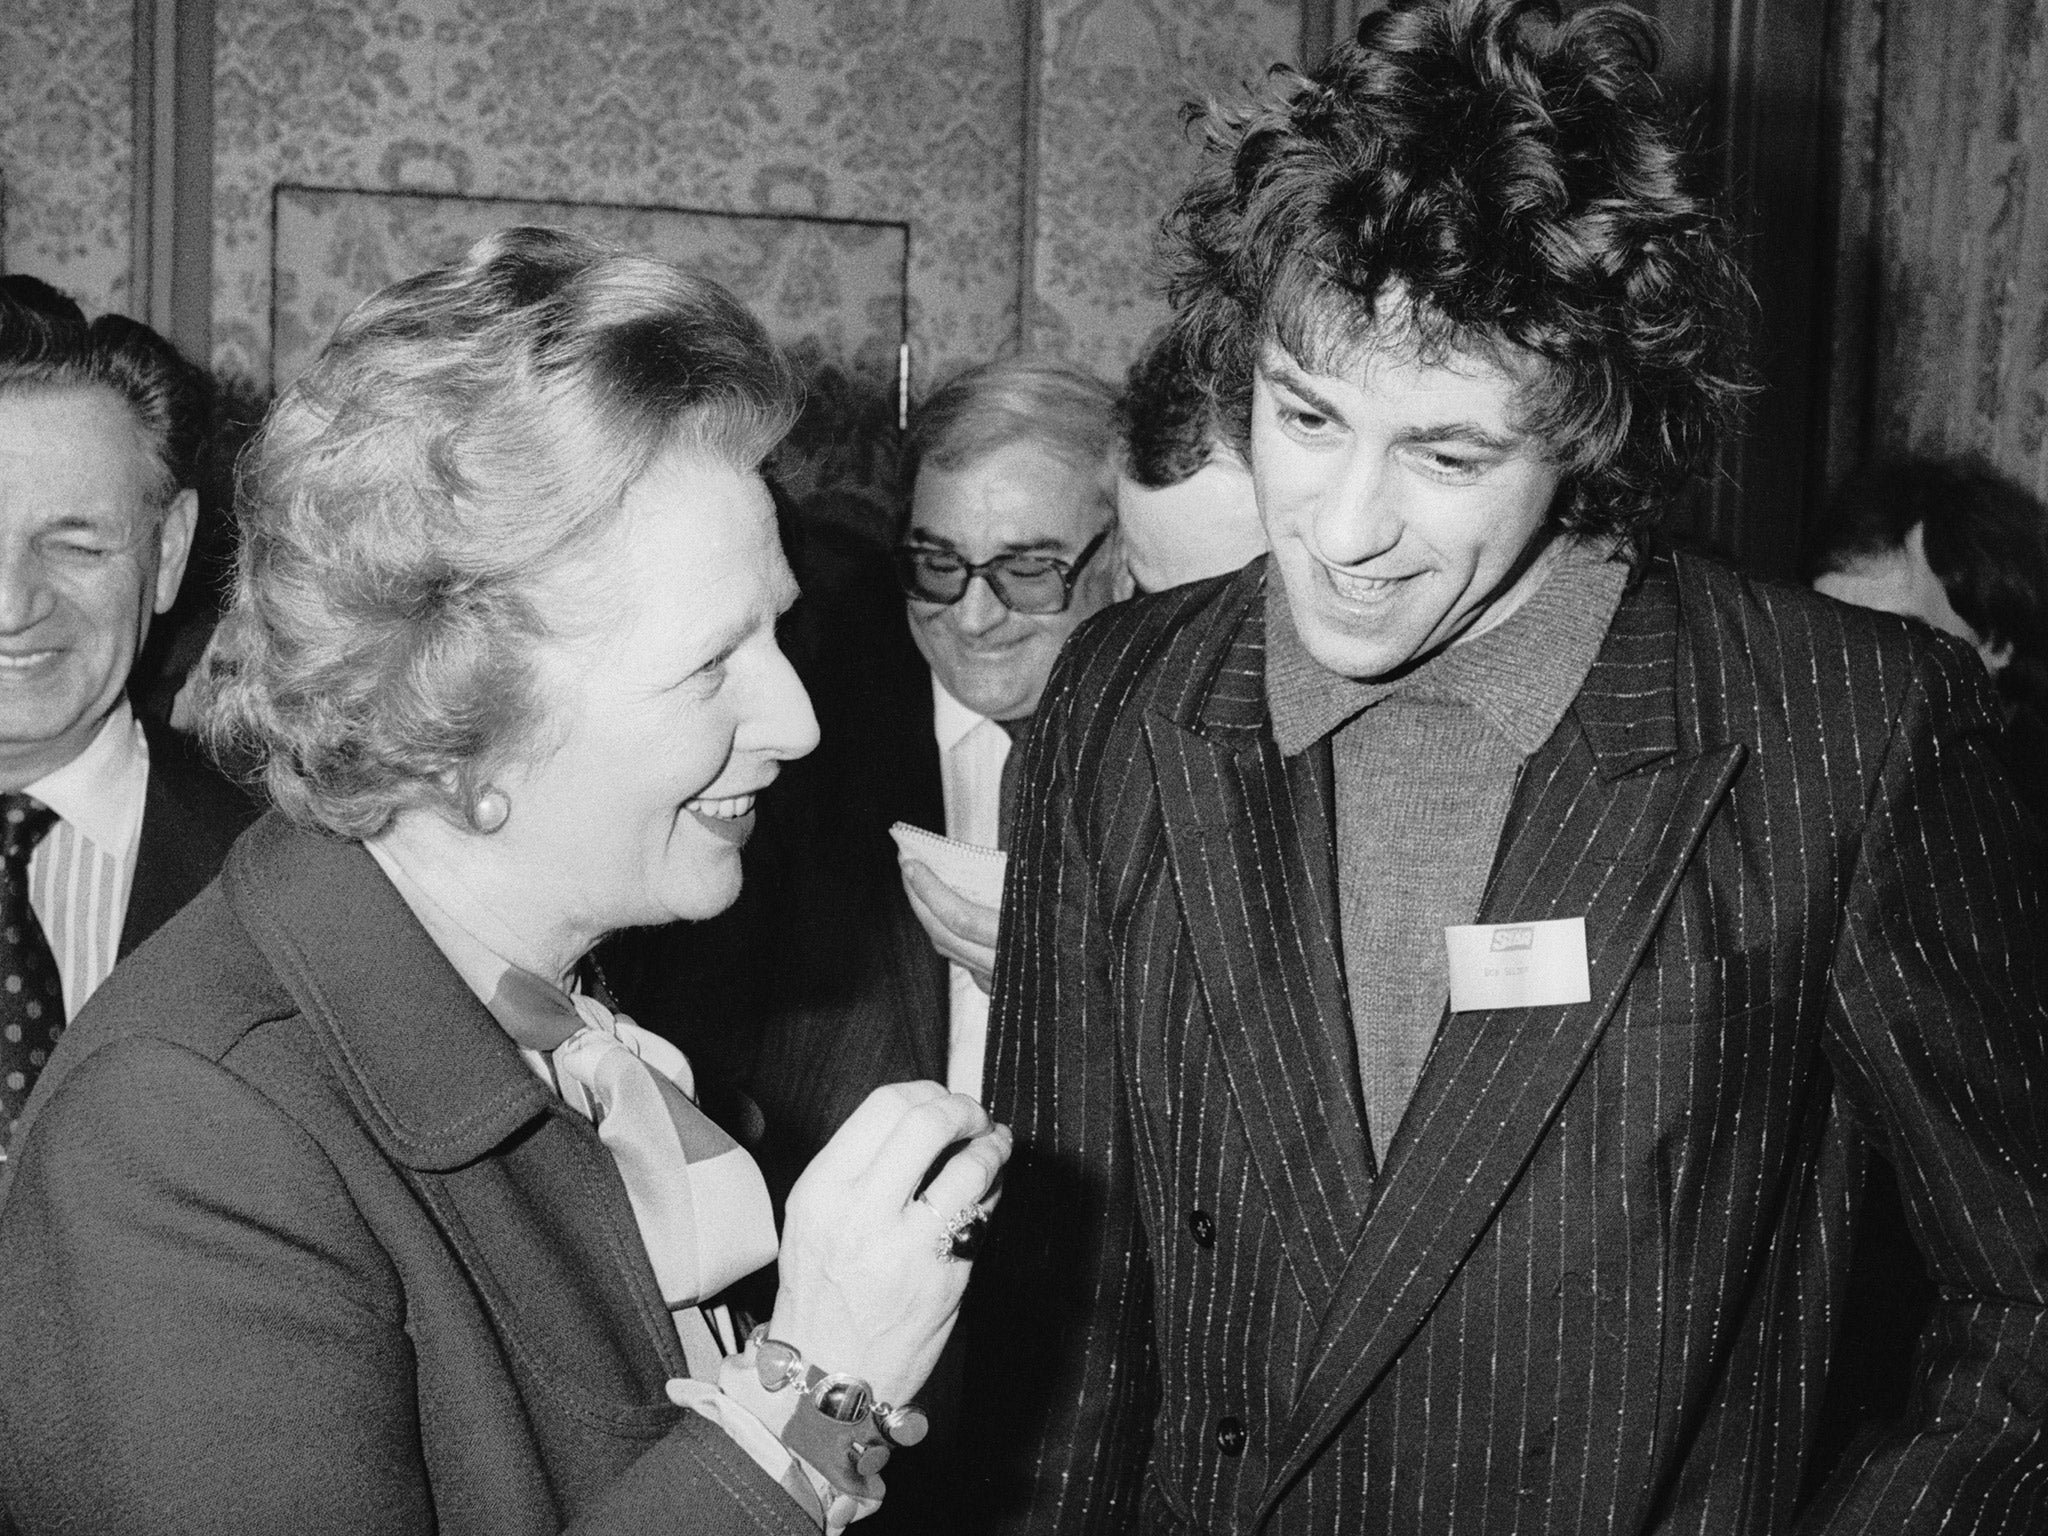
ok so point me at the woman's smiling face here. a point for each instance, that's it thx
(666, 713)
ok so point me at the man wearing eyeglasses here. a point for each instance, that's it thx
(106, 828)
(1003, 555)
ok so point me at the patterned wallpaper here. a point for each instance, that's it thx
(830, 290)
(1114, 74)
(874, 109)
(66, 78)
(909, 110)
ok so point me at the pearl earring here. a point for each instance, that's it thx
(489, 810)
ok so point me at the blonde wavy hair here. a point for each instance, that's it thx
(465, 434)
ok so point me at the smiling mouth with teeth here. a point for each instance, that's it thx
(22, 663)
(1351, 584)
(729, 809)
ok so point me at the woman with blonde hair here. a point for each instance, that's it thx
(351, 1204)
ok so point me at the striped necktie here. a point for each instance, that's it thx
(31, 990)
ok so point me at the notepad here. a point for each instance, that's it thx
(975, 872)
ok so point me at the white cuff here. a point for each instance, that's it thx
(753, 1416)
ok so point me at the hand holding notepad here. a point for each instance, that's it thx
(972, 870)
(958, 897)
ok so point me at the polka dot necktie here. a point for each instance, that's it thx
(31, 991)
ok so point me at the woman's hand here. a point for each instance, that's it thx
(865, 1289)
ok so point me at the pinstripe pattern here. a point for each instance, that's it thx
(1592, 1288)
(80, 893)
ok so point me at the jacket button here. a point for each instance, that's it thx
(1203, 1225)
(1230, 1436)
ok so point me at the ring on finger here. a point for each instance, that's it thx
(960, 1236)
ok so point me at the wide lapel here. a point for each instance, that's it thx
(190, 818)
(1606, 817)
(922, 786)
(1250, 839)
(918, 1005)
(926, 1013)
(444, 1093)
(901, 773)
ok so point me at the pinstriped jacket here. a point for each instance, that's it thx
(1592, 1289)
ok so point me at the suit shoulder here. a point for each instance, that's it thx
(191, 816)
(1148, 651)
(183, 775)
(198, 988)
(1781, 623)
(1758, 645)
(198, 981)
(1162, 616)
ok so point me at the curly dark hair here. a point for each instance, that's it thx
(1164, 416)
(1484, 177)
(1985, 538)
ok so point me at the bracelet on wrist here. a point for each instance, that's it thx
(837, 1425)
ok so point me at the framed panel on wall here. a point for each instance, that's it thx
(830, 290)
(833, 292)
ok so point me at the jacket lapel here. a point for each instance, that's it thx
(918, 1005)
(1606, 817)
(923, 784)
(926, 1015)
(190, 818)
(901, 771)
(1249, 837)
(444, 1093)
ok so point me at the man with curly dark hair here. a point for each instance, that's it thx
(1454, 970)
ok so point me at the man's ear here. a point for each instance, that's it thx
(1112, 575)
(174, 546)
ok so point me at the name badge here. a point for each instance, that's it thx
(1518, 965)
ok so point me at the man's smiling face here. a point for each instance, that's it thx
(1018, 499)
(1405, 506)
(89, 550)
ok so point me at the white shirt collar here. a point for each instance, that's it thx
(101, 791)
(951, 720)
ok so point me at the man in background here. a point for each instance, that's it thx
(107, 827)
(1009, 545)
(1184, 503)
(1961, 549)
(1458, 966)
(1965, 552)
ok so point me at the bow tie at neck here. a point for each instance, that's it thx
(698, 1198)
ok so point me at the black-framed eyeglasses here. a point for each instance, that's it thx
(1032, 584)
